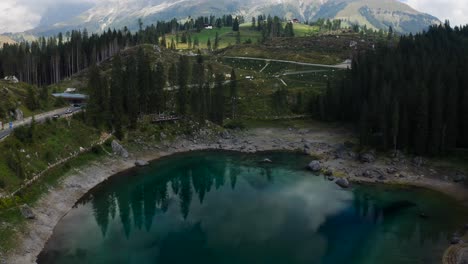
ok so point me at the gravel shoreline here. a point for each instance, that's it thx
(335, 157)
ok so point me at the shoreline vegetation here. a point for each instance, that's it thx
(330, 145)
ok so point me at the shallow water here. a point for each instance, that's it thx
(217, 207)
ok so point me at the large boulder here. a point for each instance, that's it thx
(367, 157)
(141, 163)
(225, 135)
(118, 149)
(19, 115)
(315, 166)
(459, 177)
(26, 212)
(418, 161)
(343, 183)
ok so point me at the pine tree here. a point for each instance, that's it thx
(116, 96)
(208, 44)
(183, 75)
(216, 43)
(422, 122)
(395, 124)
(98, 101)
(197, 92)
(144, 80)
(131, 91)
(233, 93)
(31, 100)
(437, 109)
(218, 100)
(238, 38)
(235, 25)
(363, 124)
(157, 97)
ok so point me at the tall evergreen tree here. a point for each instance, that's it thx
(218, 100)
(157, 96)
(144, 80)
(216, 42)
(183, 75)
(235, 25)
(234, 94)
(116, 96)
(131, 91)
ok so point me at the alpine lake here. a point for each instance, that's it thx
(226, 208)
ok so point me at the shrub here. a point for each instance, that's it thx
(235, 124)
(96, 149)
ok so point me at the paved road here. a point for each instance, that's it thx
(344, 65)
(39, 118)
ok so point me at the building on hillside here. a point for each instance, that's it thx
(295, 20)
(70, 90)
(11, 79)
(207, 26)
(71, 98)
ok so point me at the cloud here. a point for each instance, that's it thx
(15, 17)
(21, 15)
(454, 10)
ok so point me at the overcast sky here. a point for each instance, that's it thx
(21, 15)
(454, 10)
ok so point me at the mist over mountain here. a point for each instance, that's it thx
(119, 13)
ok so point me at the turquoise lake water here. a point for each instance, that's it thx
(220, 207)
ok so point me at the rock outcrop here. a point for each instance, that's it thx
(19, 115)
(26, 212)
(119, 149)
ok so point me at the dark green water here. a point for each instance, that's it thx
(216, 207)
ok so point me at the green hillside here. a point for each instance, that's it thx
(27, 98)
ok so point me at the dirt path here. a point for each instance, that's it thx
(343, 65)
(323, 142)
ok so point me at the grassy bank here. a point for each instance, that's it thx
(32, 148)
(12, 221)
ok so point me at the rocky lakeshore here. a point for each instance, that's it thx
(331, 152)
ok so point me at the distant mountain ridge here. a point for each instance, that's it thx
(377, 14)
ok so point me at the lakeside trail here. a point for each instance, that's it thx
(327, 144)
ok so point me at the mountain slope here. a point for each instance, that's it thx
(119, 13)
(6, 39)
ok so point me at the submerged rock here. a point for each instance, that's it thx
(423, 215)
(26, 212)
(342, 182)
(118, 149)
(141, 163)
(315, 166)
(267, 160)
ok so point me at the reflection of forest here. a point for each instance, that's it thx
(137, 200)
(140, 200)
